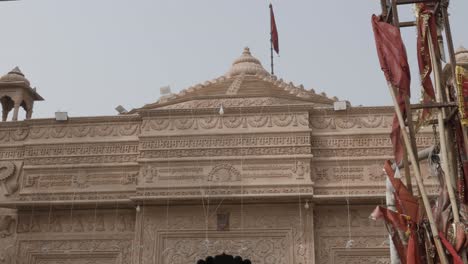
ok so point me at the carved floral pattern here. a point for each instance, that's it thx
(226, 121)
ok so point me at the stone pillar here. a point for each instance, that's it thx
(4, 112)
(16, 110)
(29, 110)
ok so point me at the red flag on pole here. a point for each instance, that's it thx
(394, 63)
(273, 31)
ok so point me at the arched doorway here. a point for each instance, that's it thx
(224, 259)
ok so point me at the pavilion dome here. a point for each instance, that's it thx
(246, 64)
(461, 55)
(14, 75)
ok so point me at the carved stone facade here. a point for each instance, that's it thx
(278, 166)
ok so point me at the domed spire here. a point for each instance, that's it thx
(461, 55)
(246, 64)
(15, 75)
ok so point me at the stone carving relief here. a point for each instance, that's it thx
(224, 173)
(77, 221)
(69, 131)
(84, 130)
(359, 146)
(356, 255)
(81, 153)
(104, 196)
(301, 170)
(90, 258)
(148, 173)
(9, 175)
(14, 134)
(80, 251)
(356, 177)
(80, 178)
(226, 121)
(11, 153)
(6, 225)
(332, 227)
(263, 250)
(217, 141)
(324, 122)
(219, 152)
(222, 191)
(209, 172)
(190, 235)
(130, 178)
(351, 173)
(7, 235)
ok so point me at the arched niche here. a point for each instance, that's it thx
(224, 259)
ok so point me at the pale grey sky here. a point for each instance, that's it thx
(88, 56)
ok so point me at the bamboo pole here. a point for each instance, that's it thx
(453, 62)
(409, 115)
(409, 185)
(417, 173)
(442, 132)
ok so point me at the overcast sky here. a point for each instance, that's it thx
(88, 56)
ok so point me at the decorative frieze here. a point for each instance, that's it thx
(360, 141)
(359, 146)
(218, 141)
(84, 130)
(77, 221)
(11, 153)
(67, 131)
(217, 122)
(223, 172)
(13, 135)
(75, 251)
(81, 149)
(76, 197)
(224, 152)
(67, 179)
(231, 102)
(224, 191)
(346, 122)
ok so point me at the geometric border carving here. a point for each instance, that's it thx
(360, 255)
(108, 257)
(220, 242)
(32, 251)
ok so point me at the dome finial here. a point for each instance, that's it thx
(246, 64)
(17, 70)
(461, 55)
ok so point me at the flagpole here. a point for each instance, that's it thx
(271, 51)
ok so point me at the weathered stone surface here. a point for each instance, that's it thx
(147, 187)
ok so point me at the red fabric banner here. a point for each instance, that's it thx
(394, 63)
(408, 254)
(405, 202)
(426, 24)
(449, 247)
(273, 31)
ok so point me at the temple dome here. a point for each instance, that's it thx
(246, 64)
(14, 75)
(461, 55)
